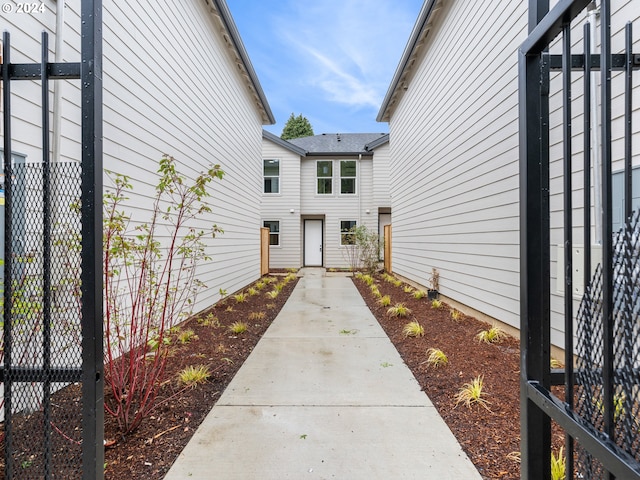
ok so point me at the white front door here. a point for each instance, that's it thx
(313, 243)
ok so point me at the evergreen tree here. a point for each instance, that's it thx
(296, 127)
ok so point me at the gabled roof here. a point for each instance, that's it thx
(283, 143)
(220, 11)
(340, 143)
(377, 142)
(400, 81)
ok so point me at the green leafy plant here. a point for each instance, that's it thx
(435, 303)
(436, 357)
(413, 329)
(408, 289)
(186, 336)
(398, 310)
(363, 251)
(278, 287)
(257, 315)
(260, 285)
(194, 375)
(273, 294)
(455, 314)
(149, 283)
(238, 327)
(418, 294)
(252, 291)
(223, 294)
(493, 335)
(368, 280)
(384, 301)
(397, 283)
(472, 393)
(241, 297)
(558, 465)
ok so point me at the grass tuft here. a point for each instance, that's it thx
(558, 465)
(413, 329)
(493, 335)
(399, 310)
(435, 303)
(238, 327)
(418, 294)
(472, 393)
(194, 375)
(436, 358)
(384, 301)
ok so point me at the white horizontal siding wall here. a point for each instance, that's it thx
(381, 174)
(335, 208)
(170, 86)
(278, 207)
(454, 159)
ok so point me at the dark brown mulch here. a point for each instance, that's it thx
(491, 438)
(149, 451)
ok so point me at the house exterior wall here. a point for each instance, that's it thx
(335, 208)
(381, 174)
(278, 207)
(171, 85)
(454, 159)
(454, 146)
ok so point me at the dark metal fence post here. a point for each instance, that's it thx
(92, 335)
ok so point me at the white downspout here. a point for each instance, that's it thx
(57, 86)
(595, 133)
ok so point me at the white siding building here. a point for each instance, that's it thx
(177, 81)
(316, 188)
(452, 109)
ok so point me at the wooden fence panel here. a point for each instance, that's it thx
(264, 251)
(387, 248)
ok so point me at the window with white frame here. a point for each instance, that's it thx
(274, 231)
(348, 177)
(324, 172)
(271, 171)
(346, 232)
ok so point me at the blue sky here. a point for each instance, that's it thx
(330, 60)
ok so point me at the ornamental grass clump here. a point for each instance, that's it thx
(384, 301)
(238, 327)
(472, 393)
(193, 375)
(436, 358)
(558, 465)
(435, 303)
(149, 283)
(240, 297)
(418, 294)
(413, 329)
(399, 310)
(493, 335)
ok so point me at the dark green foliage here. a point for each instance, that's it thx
(296, 127)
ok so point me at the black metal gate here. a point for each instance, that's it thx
(595, 399)
(51, 371)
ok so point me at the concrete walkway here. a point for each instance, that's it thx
(324, 395)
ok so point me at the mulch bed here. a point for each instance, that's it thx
(489, 437)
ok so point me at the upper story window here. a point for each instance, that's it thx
(271, 171)
(347, 176)
(324, 169)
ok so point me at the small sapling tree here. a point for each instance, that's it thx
(149, 284)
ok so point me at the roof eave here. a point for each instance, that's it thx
(339, 154)
(399, 82)
(283, 143)
(377, 142)
(220, 10)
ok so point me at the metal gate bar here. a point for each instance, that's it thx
(538, 404)
(89, 71)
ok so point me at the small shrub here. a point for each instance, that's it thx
(252, 291)
(260, 285)
(435, 303)
(273, 294)
(472, 393)
(397, 283)
(238, 327)
(455, 314)
(240, 297)
(257, 315)
(186, 336)
(278, 287)
(493, 335)
(384, 301)
(558, 465)
(413, 329)
(418, 294)
(436, 357)
(408, 289)
(194, 375)
(368, 280)
(398, 310)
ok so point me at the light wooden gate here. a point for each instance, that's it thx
(264, 251)
(387, 248)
